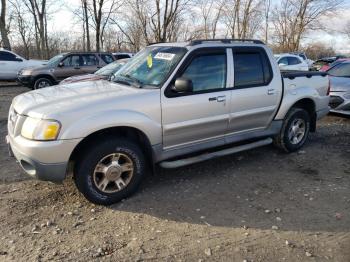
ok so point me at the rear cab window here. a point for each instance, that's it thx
(252, 68)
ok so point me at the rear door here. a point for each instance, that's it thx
(201, 115)
(256, 92)
(90, 64)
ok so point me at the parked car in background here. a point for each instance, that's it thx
(304, 57)
(288, 62)
(326, 61)
(63, 66)
(11, 63)
(326, 67)
(121, 55)
(104, 73)
(173, 104)
(339, 77)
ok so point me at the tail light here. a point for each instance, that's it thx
(329, 87)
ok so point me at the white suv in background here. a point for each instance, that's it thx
(11, 63)
(289, 62)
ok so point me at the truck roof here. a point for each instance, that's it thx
(211, 42)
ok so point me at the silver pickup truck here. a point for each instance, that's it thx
(172, 104)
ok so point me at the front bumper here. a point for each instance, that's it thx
(25, 80)
(46, 161)
(340, 103)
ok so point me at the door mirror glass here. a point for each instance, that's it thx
(183, 85)
(61, 64)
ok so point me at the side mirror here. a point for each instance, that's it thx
(183, 85)
(111, 77)
(61, 64)
(282, 64)
(18, 59)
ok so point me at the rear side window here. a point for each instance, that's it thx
(89, 60)
(251, 69)
(6, 56)
(72, 60)
(340, 70)
(293, 61)
(107, 58)
(207, 72)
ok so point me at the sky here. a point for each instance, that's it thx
(63, 20)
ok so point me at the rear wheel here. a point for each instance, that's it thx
(110, 171)
(42, 83)
(295, 130)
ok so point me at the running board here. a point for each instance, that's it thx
(207, 156)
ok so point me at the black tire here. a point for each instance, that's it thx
(283, 140)
(42, 82)
(84, 171)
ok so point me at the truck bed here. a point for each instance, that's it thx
(295, 74)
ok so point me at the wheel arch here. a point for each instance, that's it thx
(44, 76)
(309, 106)
(130, 133)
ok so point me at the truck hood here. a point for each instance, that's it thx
(65, 99)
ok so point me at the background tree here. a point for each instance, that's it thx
(292, 19)
(3, 26)
(24, 26)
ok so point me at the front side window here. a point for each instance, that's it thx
(6, 56)
(340, 70)
(89, 60)
(250, 70)
(207, 72)
(293, 61)
(151, 66)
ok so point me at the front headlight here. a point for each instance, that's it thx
(39, 129)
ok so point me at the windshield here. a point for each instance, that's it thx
(340, 70)
(55, 60)
(110, 68)
(151, 66)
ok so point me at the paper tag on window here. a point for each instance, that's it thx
(164, 56)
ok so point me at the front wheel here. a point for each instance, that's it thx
(42, 83)
(110, 171)
(295, 130)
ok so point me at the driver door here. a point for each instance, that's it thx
(202, 115)
(70, 66)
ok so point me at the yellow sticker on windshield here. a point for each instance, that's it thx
(149, 61)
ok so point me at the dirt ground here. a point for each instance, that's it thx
(261, 205)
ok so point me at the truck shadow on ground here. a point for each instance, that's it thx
(262, 188)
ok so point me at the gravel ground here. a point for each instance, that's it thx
(261, 205)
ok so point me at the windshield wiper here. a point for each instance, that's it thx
(134, 79)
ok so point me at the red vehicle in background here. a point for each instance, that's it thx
(326, 67)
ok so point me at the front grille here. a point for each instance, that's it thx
(335, 101)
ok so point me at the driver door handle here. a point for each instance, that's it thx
(221, 99)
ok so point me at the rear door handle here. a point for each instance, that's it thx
(271, 92)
